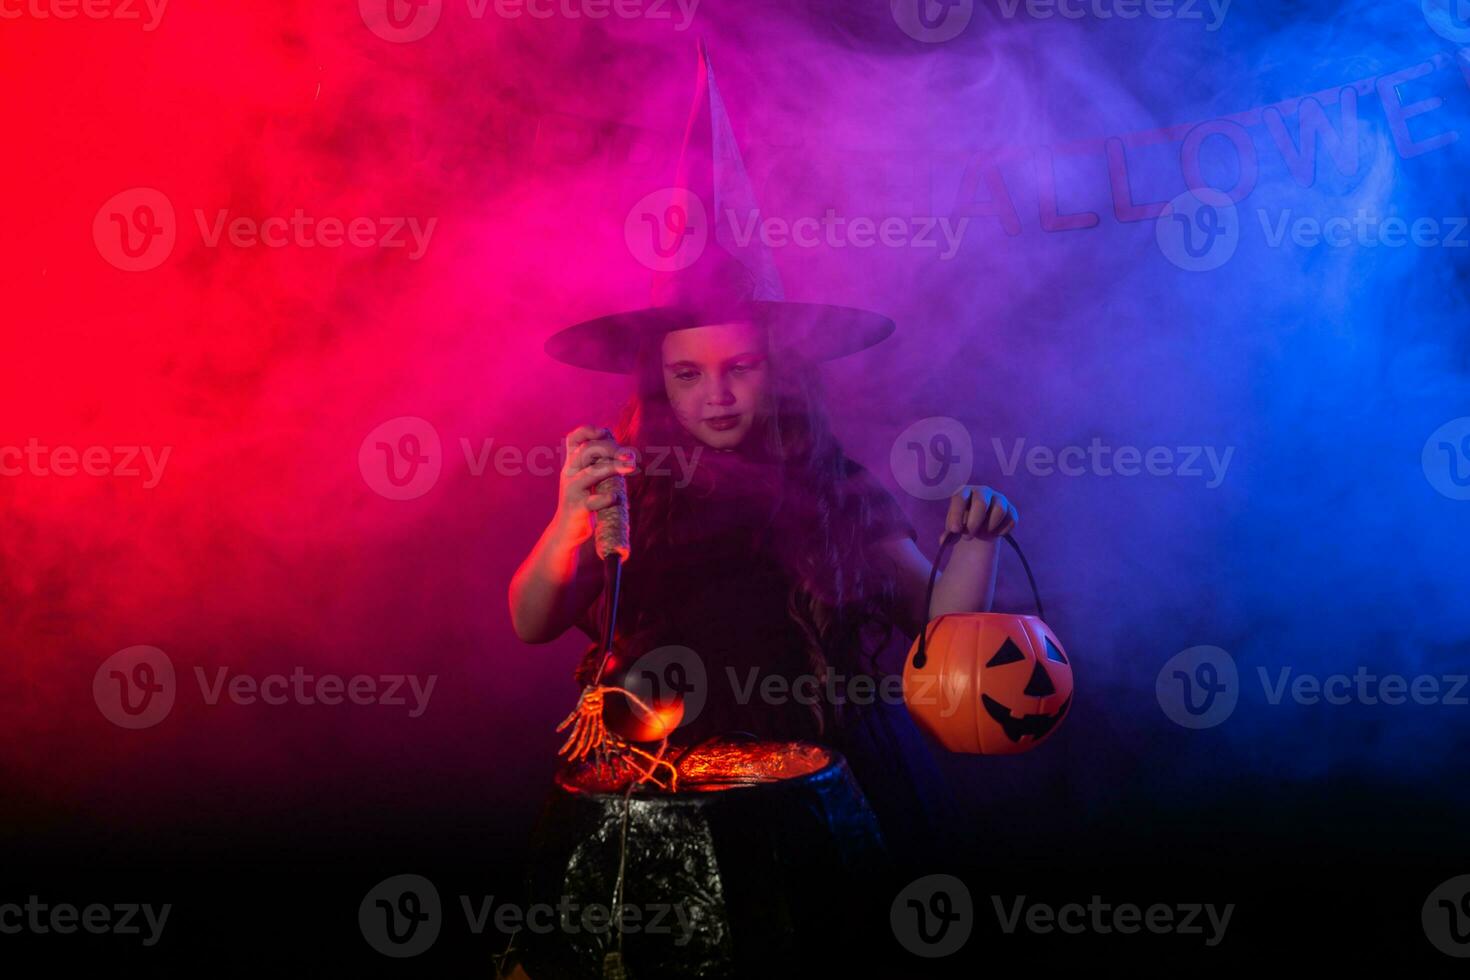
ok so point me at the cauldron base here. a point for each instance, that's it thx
(768, 858)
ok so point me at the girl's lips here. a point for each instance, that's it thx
(723, 422)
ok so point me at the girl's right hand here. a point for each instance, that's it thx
(592, 455)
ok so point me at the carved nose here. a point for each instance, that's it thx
(1040, 685)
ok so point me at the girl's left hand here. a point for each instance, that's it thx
(979, 512)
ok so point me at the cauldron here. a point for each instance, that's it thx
(765, 861)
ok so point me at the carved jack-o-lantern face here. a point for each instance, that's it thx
(988, 683)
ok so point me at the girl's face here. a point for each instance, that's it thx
(717, 379)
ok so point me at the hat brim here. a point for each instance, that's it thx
(816, 331)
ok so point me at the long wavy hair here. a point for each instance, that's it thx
(843, 600)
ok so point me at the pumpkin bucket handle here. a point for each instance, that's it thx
(922, 655)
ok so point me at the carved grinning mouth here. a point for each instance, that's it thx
(1037, 726)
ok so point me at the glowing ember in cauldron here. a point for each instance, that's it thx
(721, 765)
(717, 765)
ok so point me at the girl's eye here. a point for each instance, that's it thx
(686, 375)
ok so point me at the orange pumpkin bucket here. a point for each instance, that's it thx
(987, 683)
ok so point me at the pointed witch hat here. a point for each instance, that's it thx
(712, 275)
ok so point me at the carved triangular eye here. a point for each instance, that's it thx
(1009, 653)
(1052, 653)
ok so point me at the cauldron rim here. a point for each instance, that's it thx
(836, 763)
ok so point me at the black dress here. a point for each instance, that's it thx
(721, 592)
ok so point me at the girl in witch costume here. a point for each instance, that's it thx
(756, 542)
